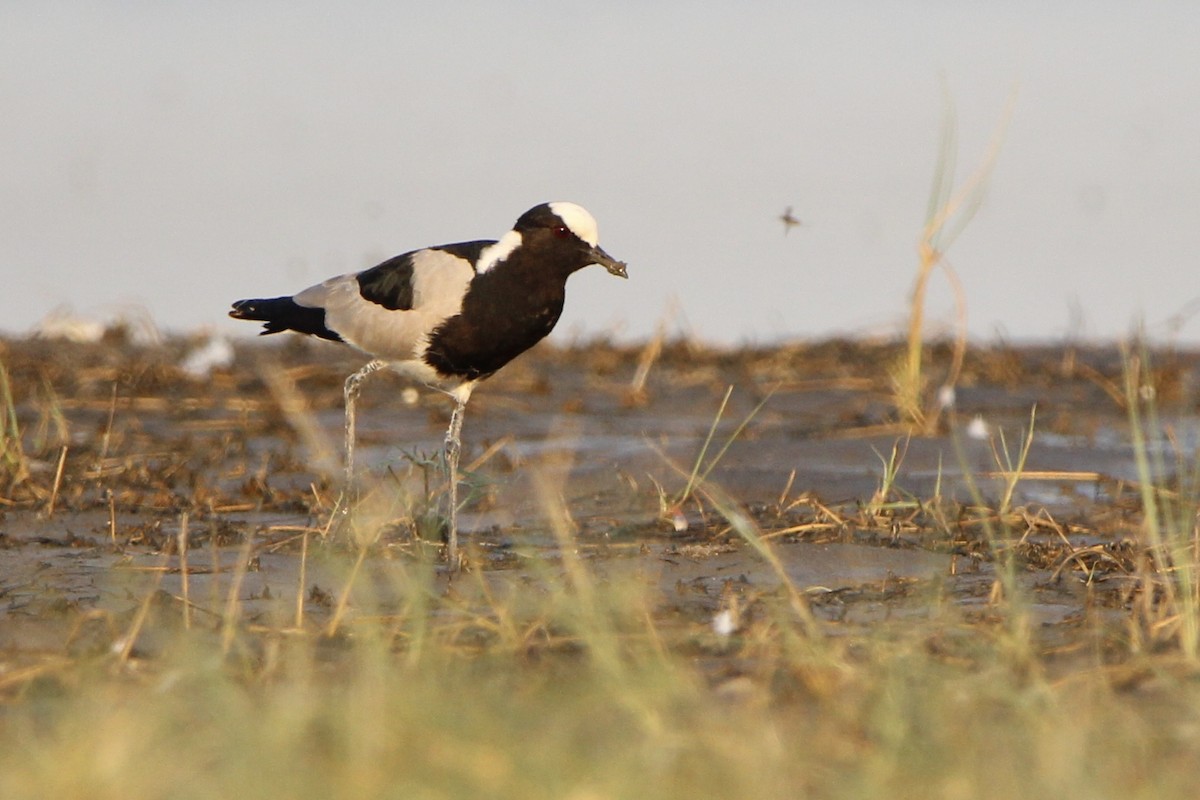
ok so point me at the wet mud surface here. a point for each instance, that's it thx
(113, 451)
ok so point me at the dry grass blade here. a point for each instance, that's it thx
(343, 603)
(58, 475)
(300, 582)
(184, 578)
(749, 533)
(700, 470)
(14, 466)
(299, 413)
(127, 642)
(636, 393)
(1169, 518)
(950, 211)
(233, 598)
(106, 439)
(1014, 471)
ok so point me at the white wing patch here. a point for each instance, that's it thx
(493, 254)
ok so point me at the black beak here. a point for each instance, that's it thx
(602, 258)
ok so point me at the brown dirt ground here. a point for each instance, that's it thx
(250, 455)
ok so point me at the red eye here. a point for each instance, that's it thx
(562, 231)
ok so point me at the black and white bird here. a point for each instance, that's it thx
(447, 316)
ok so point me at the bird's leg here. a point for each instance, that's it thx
(453, 449)
(352, 388)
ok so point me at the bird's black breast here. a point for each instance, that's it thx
(502, 317)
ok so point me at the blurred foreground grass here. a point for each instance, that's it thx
(571, 677)
(575, 689)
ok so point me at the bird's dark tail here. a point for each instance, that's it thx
(284, 314)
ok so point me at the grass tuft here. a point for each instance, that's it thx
(1170, 495)
(950, 210)
(14, 465)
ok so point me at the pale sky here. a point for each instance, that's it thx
(166, 159)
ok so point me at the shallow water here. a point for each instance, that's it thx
(255, 465)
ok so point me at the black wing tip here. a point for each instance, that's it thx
(271, 326)
(279, 314)
(244, 309)
(256, 311)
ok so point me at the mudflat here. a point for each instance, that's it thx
(711, 545)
